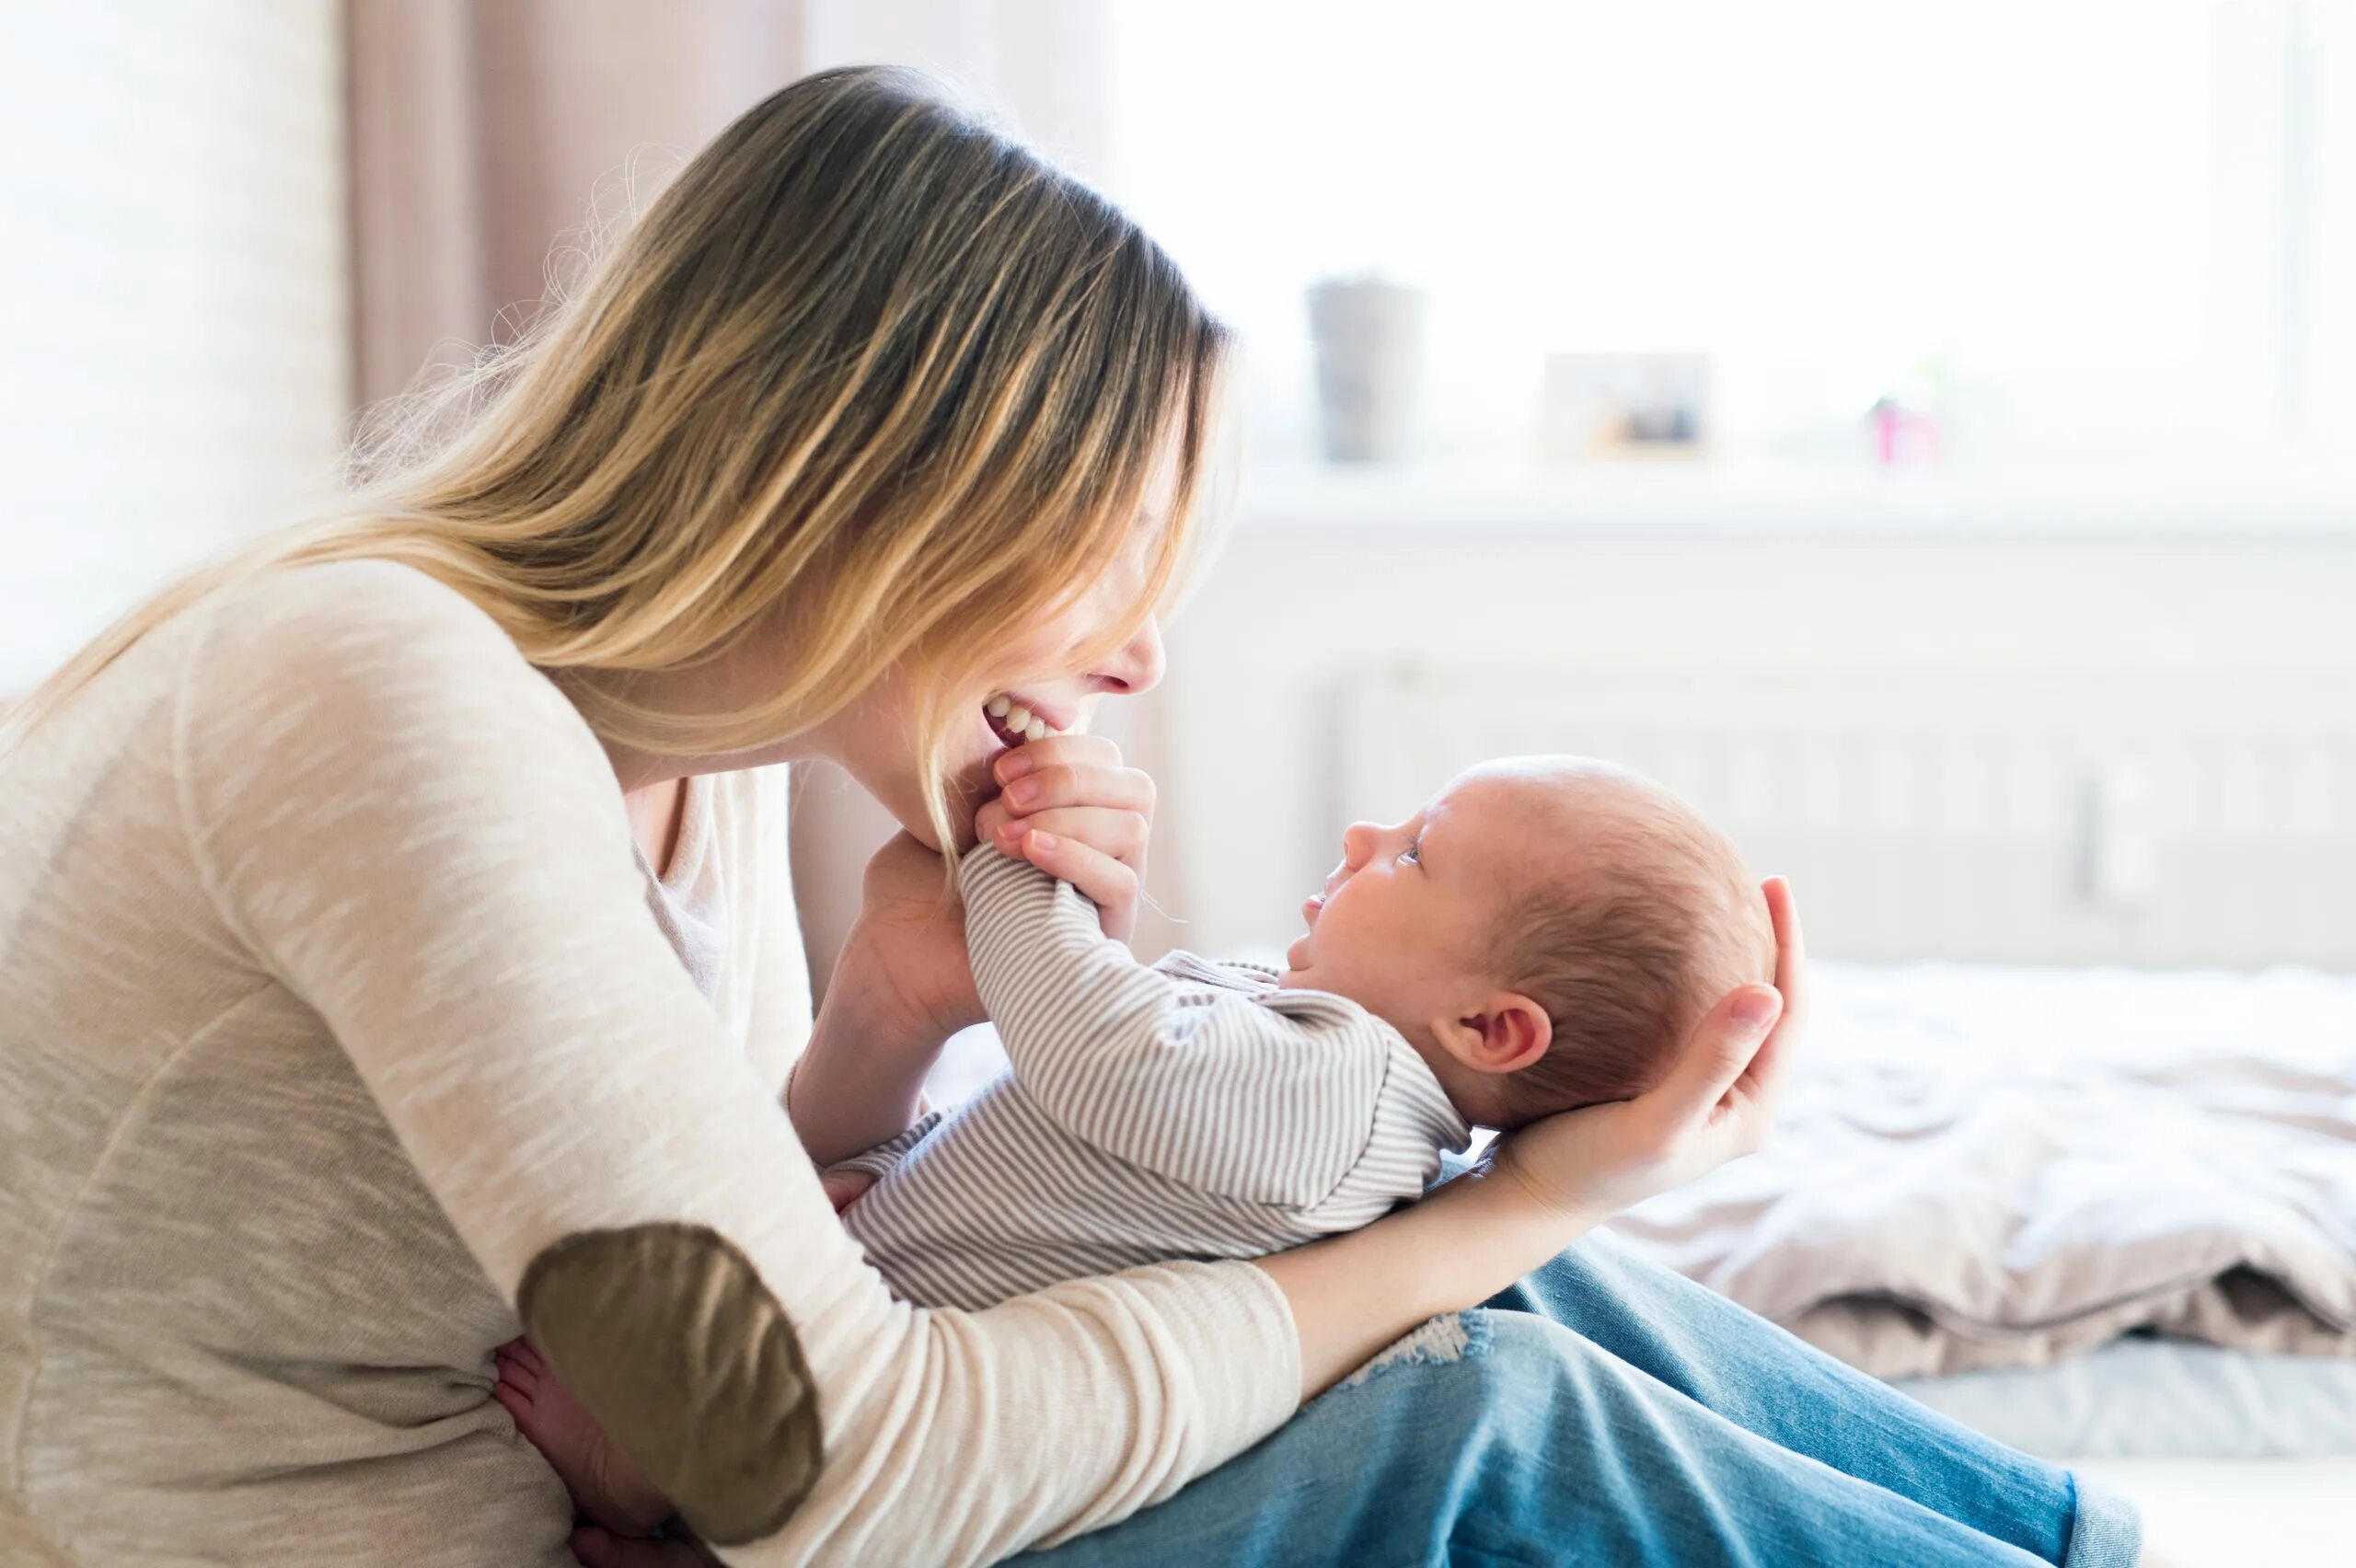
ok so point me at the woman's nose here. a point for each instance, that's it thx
(1136, 665)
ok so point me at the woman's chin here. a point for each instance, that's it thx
(969, 785)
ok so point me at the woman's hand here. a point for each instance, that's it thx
(906, 953)
(900, 988)
(1716, 1104)
(1068, 806)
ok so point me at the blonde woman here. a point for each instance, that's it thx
(395, 955)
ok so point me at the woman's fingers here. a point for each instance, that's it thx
(1715, 1055)
(1772, 1066)
(1791, 948)
(1071, 809)
(1111, 885)
(1080, 784)
(1121, 834)
(1034, 755)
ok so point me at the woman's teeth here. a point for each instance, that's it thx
(1018, 721)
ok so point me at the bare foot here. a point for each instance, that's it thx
(604, 1484)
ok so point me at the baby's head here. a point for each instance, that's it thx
(1546, 933)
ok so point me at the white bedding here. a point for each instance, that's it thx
(2143, 1398)
(1948, 1192)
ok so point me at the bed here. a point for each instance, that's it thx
(2236, 1457)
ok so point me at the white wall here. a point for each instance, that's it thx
(1324, 582)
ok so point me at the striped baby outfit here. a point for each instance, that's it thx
(1182, 1109)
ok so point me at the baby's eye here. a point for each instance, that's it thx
(1413, 853)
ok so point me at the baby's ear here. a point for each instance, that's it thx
(1507, 1033)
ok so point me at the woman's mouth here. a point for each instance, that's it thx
(1014, 720)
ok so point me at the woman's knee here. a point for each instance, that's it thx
(1501, 1421)
(1490, 1377)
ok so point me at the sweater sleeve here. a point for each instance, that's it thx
(414, 831)
(1212, 1087)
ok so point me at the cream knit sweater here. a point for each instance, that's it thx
(333, 1016)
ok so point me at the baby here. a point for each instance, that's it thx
(1541, 936)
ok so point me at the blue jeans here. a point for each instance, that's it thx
(1606, 1411)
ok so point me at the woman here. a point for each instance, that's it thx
(394, 955)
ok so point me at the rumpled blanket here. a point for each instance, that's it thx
(2004, 1167)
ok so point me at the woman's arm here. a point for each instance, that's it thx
(413, 832)
(903, 984)
(1544, 1186)
(900, 989)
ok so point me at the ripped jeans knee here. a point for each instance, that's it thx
(1451, 1337)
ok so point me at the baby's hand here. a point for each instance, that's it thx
(604, 1484)
(1071, 809)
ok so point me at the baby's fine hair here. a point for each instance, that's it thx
(1628, 952)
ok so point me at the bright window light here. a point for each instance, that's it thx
(2082, 230)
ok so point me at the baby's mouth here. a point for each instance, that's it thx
(1014, 721)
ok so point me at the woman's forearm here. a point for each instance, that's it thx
(860, 1081)
(1354, 1294)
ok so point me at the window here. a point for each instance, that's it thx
(2077, 232)
(174, 369)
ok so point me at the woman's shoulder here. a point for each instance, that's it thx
(366, 654)
(343, 608)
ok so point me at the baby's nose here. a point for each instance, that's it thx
(1357, 843)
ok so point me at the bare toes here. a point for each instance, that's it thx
(516, 1404)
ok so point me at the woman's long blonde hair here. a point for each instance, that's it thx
(869, 379)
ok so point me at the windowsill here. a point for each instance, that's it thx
(1709, 496)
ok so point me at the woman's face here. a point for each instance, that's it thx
(874, 739)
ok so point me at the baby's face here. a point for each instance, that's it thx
(1402, 925)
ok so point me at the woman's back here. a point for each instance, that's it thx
(233, 1322)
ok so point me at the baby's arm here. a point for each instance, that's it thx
(1217, 1089)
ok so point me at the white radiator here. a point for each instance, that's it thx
(2017, 818)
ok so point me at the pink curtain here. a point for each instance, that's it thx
(482, 130)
